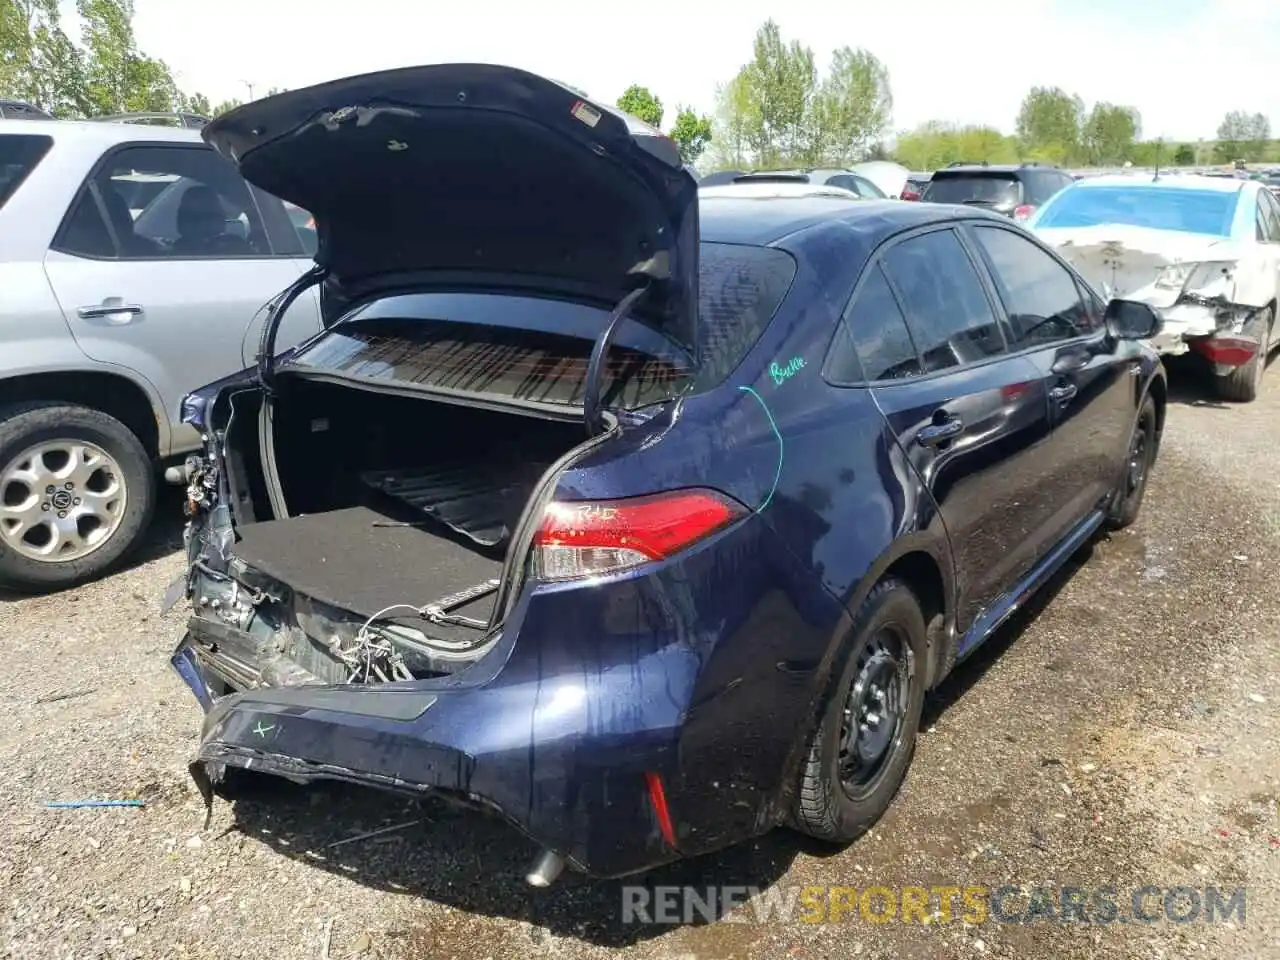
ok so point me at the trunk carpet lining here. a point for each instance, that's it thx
(341, 558)
(483, 505)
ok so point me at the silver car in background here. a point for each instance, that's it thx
(134, 262)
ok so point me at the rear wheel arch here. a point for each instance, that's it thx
(924, 565)
(111, 393)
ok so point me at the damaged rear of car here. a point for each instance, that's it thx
(1205, 252)
(509, 274)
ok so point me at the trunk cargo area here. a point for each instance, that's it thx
(397, 500)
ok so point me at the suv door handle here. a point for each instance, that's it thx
(939, 433)
(113, 310)
(1063, 392)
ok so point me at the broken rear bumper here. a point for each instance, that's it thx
(547, 754)
(1185, 324)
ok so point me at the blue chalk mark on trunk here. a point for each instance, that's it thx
(781, 446)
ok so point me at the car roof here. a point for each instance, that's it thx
(964, 168)
(764, 221)
(107, 133)
(1145, 181)
(762, 189)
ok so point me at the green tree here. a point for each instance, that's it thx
(1049, 123)
(226, 106)
(850, 111)
(733, 125)
(39, 63)
(692, 133)
(1184, 156)
(641, 103)
(780, 80)
(1233, 134)
(936, 144)
(198, 103)
(119, 77)
(1109, 134)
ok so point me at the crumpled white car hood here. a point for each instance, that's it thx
(1123, 261)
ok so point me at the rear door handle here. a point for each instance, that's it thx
(1063, 392)
(939, 433)
(112, 309)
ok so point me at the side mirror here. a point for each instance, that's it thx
(1132, 320)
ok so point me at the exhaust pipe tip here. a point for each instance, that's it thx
(546, 869)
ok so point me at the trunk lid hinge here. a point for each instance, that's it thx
(591, 409)
(283, 301)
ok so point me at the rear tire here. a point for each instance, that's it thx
(1143, 446)
(1244, 383)
(77, 490)
(850, 776)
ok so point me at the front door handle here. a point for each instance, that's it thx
(939, 433)
(112, 309)
(1063, 392)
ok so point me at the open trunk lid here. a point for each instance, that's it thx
(473, 176)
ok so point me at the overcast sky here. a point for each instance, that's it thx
(1182, 63)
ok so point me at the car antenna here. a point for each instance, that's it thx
(1156, 175)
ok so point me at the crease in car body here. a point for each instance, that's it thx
(568, 555)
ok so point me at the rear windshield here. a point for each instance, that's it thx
(530, 349)
(1208, 212)
(990, 188)
(19, 154)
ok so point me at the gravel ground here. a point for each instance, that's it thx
(1122, 733)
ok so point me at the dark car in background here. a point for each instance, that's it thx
(642, 521)
(21, 110)
(1013, 191)
(915, 186)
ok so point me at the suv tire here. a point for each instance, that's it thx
(887, 642)
(64, 462)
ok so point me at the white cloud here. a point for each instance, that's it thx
(1182, 63)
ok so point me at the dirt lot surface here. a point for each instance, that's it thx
(1123, 733)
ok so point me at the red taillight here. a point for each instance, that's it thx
(910, 195)
(1227, 351)
(1023, 211)
(593, 538)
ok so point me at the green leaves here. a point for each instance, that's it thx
(691, 133)
(779, 111)
(642, 104)
(1243, 136)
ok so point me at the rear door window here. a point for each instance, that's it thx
(993, 189)
(19, 154)
(873, 343)
(950, 318)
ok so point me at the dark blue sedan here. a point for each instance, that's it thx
(641, 522)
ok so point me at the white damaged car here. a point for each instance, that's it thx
(1204, 251)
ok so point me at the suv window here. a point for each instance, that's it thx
(948, 313)
(996, 189)
(1043, 184)
(1040, 296)
(873, 342)
(19, 154)
(162, 202)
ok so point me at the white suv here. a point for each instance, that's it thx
(134, 262)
